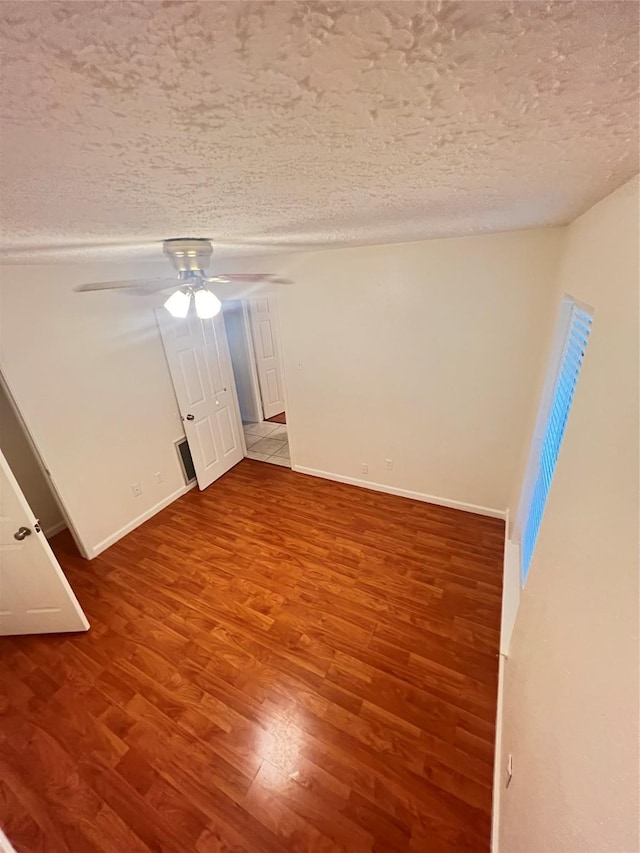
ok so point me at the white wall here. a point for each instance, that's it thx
(420, 352)
(238, 336)
(26, 468)
(424, 353)
(571, 682)
(89, 375)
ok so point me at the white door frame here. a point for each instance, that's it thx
(41, 460)
(234, 390)
(248, 341)
(283, 360)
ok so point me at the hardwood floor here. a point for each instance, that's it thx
(279, 663)
(278, 419)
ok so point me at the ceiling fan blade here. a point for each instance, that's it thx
(148, 285)
(247, 278)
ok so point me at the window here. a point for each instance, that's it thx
(571, 342)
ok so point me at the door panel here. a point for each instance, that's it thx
(264, 330)
(266, 338)
(191, 378)
(273, 389)
(35, 596)
(206, 442)
(229, 443)
(200, 367)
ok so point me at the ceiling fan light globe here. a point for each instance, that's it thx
(178, 304)
(207, 304)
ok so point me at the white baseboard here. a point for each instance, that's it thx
(498, 781)
(52, 531)
(510, 604)
(110, 540)
(5, 844)
(403, 493)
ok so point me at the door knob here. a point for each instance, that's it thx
(191, 417)
(21, 532)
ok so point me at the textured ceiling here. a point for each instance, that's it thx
(310, 122)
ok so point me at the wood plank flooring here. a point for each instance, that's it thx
(278, 419)
(279, 663)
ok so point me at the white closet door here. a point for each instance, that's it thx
(266, 343)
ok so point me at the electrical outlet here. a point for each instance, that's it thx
(388, 464)
(136, 488)
(364, 468)
(509, 770)
(158, 476)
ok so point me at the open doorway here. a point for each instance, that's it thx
(26, 466)
(253, 333)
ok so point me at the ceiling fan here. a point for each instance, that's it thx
(190, 258)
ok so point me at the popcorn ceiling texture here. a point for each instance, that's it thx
(310, 123)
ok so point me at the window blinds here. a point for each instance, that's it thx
(572, 355)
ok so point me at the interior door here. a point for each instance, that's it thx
(266, 343)
(200, 367)
(35, 596)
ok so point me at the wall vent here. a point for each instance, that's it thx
(186, 461)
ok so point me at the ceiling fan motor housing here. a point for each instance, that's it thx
(188, 254)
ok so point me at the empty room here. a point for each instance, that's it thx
(319, 426)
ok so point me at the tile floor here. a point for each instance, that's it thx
(268, 442)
